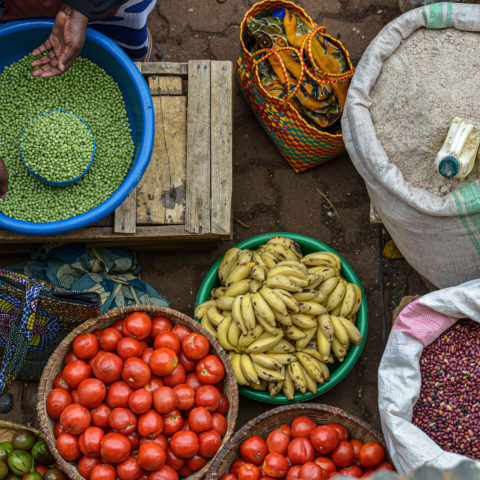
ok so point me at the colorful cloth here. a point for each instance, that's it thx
(319, 102)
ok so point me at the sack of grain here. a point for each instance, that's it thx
(396, 118)
(428, 376)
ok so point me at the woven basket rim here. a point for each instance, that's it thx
(17, 426)
(101, 321)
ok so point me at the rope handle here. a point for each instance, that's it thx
(268, 53)
(307, 48)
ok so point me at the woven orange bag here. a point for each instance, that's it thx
(282, 107)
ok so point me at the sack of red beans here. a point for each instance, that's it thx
(429, 381)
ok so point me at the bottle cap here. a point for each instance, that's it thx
(449, 167)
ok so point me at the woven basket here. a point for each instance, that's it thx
(266, 422)
(55, 364)
(9, 429)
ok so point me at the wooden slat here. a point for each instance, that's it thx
(197, 213)
(160, 85)
(162, 68)
(161, 192)
(221, 147)
(125, 220)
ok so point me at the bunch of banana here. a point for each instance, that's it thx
(282, 317)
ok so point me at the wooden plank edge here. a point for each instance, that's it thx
(162, 68)
(125, 217)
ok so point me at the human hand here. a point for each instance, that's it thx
(64, 43)
(3, 178)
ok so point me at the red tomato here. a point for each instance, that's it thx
(118, 325)
(275, 465)
(107, 367)
(161, 324)
(172, 422)
(302, 426)
(224, 404)
(69, 358)
(277, 442)
(85, 346)
(140, 401)
(228, 476)
(164, 473)
(75, 372)
(185, 395)
(100, 415)
(167, 340)
(153, 384)
(200, 419)
(97, 333)
(177, 377)
(85, 466)
(286, 429)
(248, 471)
(209, 443)
(129, 469)
(147, 353)
(342, 432)
(371, 455)
(151, 456)
(188, 365)
(163, 361)
(185, 471)
(181, 331)
(118, 395)
(357, 445)
(129, 347)
(207, 396)
(109, 339)
(74, 396)
(210, 370)
(385, 465)
(122, 420)
(195, 346)
(312, 471)
(352, 471)
(58, 430)
(137, 325)
(293, 472)
(173, 460)
(184, 444)
(219, 423)
(91, 392)
(114, 448)
(300, 451)
(254, 449)
(192, 380)
(196, 463)
(234, 467)
(324, 439)
(164, 399)
(150, 424)
(103, 472)
(89, 441)
(67, 446)
(57, 400)
(344, 455)
(75, 418)
(136, 372)
(326, 463)
(134, 439)
(60, 382)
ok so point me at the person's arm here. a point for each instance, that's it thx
(95, 9)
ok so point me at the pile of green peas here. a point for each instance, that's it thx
(88, 91)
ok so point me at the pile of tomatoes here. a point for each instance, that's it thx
(142, 399)
(306, 451)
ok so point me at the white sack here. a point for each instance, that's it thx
(399, 380)
(438, 236)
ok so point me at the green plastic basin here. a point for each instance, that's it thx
(338, 371)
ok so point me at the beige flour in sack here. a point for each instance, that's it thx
(433, 77)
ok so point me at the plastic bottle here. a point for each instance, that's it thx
(406, 5)
(457, 156)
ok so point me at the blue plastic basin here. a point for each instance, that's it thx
(18, 39)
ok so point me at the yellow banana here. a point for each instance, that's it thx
(330, 359)
(303, 321)
(239, 272)
(238, 288)
(281, 252)
(259, 273)
(324, 368)
(358, 300)
(201, 309)
(353, 332)
(338, 349)
(295, 264)
(261, 386)
(287, 243)
(296, 374)
(312, 350)
(289, 300)
(336, 311)
(248, 313)
(248, 369)
(310, 366)
(206, 324)
(323, 259)
(255, 286)
(283, 358)
(294, 333)
(312, 385)
(224, 303)
(257, 258)
(324, 345)
(285, 283)
(303, 342)
(288, 387)
(245, 339)
(314, 280)
(268, 374)
(348, 301)
(245, 257)
(214, 316)
(217, 292)
(313, 308)
(269, 259)
(237, 369)
(267, 326)
(305, 295)
(262, 309)
(336, 296)
(276, 387)
(283, 319)
(266, 360)
(227, 263)
(287, 271)
(233, 334)
(327, 286)
(326, 325)
(324, 272)
(283, 346)
(237, 314)
(275, 302)
(263, 344)
(340, 331)
(222, 332)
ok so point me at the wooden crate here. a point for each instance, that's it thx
(184, 197)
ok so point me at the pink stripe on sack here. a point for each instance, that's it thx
(422, 322)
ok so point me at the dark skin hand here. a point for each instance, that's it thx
(64, 43)
(3, 178)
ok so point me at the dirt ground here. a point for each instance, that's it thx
(268, 196)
